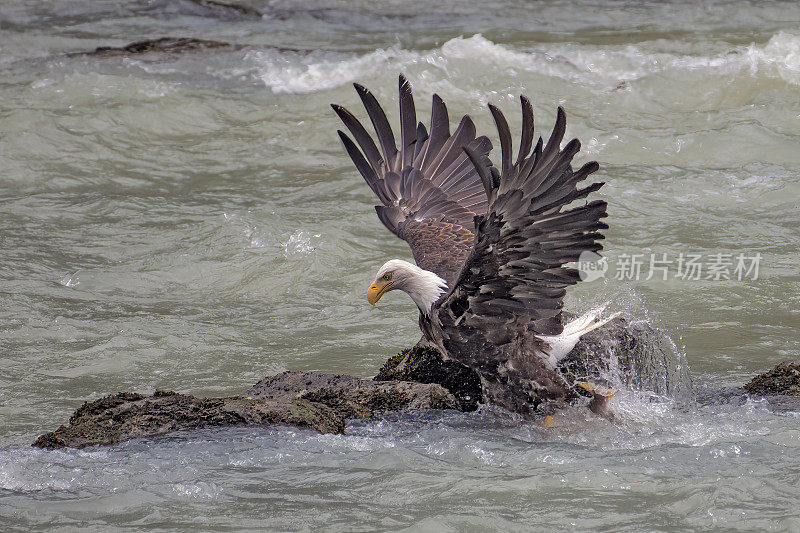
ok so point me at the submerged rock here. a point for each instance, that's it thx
(784, 379)
(227, 10)
(172, 45)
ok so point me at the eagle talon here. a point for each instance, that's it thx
(601, 396)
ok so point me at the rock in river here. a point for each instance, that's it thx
(784, 379)
(170, 45)
(300, 399)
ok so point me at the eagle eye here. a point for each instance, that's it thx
(387, 276)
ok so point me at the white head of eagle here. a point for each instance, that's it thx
(423, 286)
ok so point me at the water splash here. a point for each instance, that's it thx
(639, 358)
(299, 242)
(71, 280)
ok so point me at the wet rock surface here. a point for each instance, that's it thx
(738, 396)
(353, 397)
(301, 399)
(784, 379)
(127, 415)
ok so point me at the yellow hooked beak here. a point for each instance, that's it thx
(377, 289)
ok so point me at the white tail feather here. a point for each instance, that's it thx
(561, 345)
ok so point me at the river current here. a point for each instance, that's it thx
(189, 221)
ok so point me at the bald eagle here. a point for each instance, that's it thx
(490, 244)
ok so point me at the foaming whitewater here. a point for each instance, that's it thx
(602, 68)
(299, 73)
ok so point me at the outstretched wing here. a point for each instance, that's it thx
(429, 188)
(517, 270)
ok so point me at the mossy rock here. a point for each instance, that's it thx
(424, 364)
(127, 415)
(784, 379)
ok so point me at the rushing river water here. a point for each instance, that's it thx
(189, 221)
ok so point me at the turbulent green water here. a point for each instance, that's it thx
(190, 222)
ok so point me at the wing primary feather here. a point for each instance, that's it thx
(381, 124)
(465, 133)
(408, 124)
(486, 179)
(530, 163)
(563, 197)
(495, 175)
(526, 140)
(366, 171)
(554, 142)
(361, 136)
(537, 152)
(440, 131)
(422, 136)
(584, 172)
(546, 175)
(504, 133)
